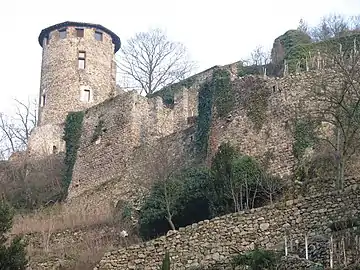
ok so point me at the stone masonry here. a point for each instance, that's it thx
(209, 242)
(130, 124)
(78, 71)
(64, 74)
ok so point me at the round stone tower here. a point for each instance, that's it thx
(78, 69)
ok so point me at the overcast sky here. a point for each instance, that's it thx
(215, 32)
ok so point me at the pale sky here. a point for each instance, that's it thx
(215, 32)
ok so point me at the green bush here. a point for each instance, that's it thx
(203, 194)
(257, 259)
(12, 256)
(166, 262)
(235, 181)
(191, 204)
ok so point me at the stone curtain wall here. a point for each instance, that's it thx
(132, 182)
(272, 143)
(127, 122)
(209, 242)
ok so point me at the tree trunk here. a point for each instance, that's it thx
(172, 226)
(342, 173)
(338, 159)
(247, 194)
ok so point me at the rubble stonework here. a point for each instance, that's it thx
(78, 71)
(62, 81)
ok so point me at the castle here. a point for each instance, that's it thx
(124, 136)
(78, 71)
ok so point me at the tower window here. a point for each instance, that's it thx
(98, 35)
(85, 95)
(81, 59)
(80, 32)
(42, 100)
(62, 33)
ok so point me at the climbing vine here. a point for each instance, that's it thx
(224, 100)
(205, 100)
(215, 92)
(304, 136)
(256, 104)
(72, 133)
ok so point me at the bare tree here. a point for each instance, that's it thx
(259, 56)
(15, 129)
(354, 22)
(303, 26)
(167, 163)
(152, 61)
(330, 26)
(271, 186)
(337, 95)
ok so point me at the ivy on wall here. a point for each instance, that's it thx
(256, 105)
(72, 133)
(224, 100)
(218, 93)
(205, 100)
(304, 136)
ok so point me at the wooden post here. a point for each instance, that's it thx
(286, 247)
(344, 252)
(331, 252)
(306, 247)
(307, 64)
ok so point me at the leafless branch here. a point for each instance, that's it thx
(152, 61)
(15, 129)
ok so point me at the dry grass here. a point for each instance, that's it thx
(72, 249)
(59, 217)
(30, 184)
(81, 255)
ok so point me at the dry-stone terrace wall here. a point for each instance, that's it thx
(210, 241)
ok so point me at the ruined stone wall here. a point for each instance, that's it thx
(210, 241)
(128, 121)
(62, 82)
(272, 142)
(46, 140)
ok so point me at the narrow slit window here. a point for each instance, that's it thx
(42, 100)
(62, 33)
(85, 95)
(81, 60)
(80, 32)
(98, 35)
